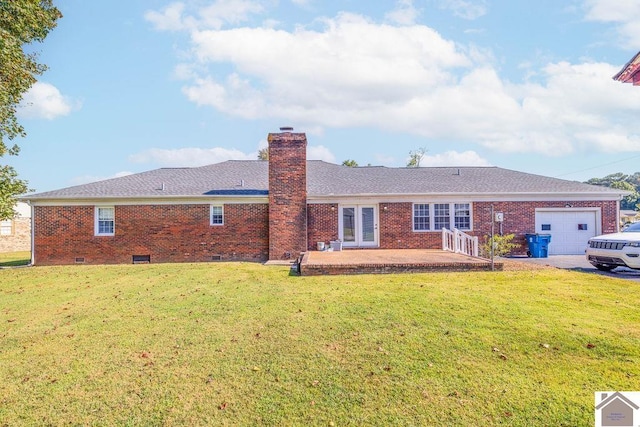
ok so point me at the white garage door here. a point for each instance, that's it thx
(570, 229)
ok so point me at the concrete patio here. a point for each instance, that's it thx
(379, 261)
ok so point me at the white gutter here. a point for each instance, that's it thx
(467, 197)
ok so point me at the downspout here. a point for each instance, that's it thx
(33, 246)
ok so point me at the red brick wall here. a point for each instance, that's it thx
(179, 233)
(287, 195)
(520, 217)
(168, 233)
(323, 224)
(396, 229)
(396, 226)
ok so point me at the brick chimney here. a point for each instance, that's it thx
(287, 194)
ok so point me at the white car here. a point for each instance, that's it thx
(622, 249)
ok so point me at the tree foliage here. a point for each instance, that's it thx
(351, 163)
(415, 157)
(622, 181)
(22, 22)
(10, 186)
(263, 154)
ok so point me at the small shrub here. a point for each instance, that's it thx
(502, 245)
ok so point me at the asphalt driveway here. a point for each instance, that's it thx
(580, 263)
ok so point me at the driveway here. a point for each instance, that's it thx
(580, 263)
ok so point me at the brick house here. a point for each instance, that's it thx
(275, 209)
(15, 233)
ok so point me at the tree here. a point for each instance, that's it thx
(351, 163)
(622, 181)
(630, 201)
(22, 22)
(10, 186)
(415, 157)
(263, 154)
(609, 179)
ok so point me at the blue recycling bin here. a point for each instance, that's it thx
(538, 245)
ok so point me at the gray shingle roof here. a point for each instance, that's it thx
(250, 178)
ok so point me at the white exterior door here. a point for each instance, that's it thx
(358, 225)
(570, 229)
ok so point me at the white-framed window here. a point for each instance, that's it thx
(105, 221)
(421, 217)
(217, 215)
(436, 216)
(441, 216)
(462, 216)
(6, 227)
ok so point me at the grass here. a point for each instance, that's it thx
(14, 259)
(245, 344)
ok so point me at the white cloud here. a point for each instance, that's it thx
(404, 14)
(466, 9)
(85, 179)
(191, 157)
(169, 19)
(624, 13)
(184, 157)
(454, 158)
(342, 76)
(384, 159)
(320, 152)
(175, 16)
(355, 72)
(44, 100)
(222, 12)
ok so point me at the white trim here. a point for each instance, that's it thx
(147, 201)
(470, 197)
(362, 199)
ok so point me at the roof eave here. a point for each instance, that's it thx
(144, 199)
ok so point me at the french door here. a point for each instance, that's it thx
(358, 225)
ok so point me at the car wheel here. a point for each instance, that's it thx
(604, 267)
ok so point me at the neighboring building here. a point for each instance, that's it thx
(629, 216)
(630, 73)
(15, 233)
(273, 210)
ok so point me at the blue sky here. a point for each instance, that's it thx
(137, 85)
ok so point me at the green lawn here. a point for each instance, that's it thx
(245, 344)
(13, 259)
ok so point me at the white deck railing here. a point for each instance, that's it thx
(459, 242)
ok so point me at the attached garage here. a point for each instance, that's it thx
(570, 228)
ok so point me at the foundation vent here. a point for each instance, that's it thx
(142, 259)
